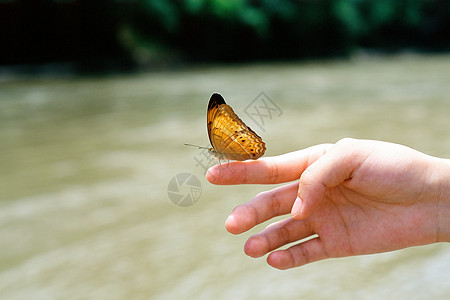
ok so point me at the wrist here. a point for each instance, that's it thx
(441, 184)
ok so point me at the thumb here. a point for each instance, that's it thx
(330, 170)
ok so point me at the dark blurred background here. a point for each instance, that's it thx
(126, 34)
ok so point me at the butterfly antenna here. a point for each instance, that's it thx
(196, 146)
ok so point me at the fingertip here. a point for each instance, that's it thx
(279, 260)
(232, 225)
(212, 175)
(236, 222)
(255, 247)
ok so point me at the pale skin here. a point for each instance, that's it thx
(354, 197)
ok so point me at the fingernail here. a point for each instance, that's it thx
(210, 175)
(231, 226)
(297, 208)
(229, 220)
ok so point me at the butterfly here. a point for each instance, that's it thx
(230, 138)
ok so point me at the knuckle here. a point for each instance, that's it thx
(274, 173)
(275, 203)
(305, 255)
(284, 234)
(254, 215)
(300, 255)
(346, 141)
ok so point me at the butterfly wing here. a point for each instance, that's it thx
(214, 102)
(228, 134)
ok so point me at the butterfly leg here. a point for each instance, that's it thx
(229, 166)
(221, 172)
(210, 161)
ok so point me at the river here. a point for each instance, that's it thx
(86, 165)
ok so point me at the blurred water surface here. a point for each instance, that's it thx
(85, 165)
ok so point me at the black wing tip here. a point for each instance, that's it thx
(217, 99)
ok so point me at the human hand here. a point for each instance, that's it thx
(358, 196)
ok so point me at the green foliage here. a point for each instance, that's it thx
(165, 13)
(261, 29)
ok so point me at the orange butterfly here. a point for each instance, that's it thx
(230, 138)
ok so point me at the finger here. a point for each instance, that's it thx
(263, 207)
(268, 170)
(277, 235)
(330, 170)
(298, 255)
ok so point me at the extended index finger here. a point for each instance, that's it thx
(268, 170)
